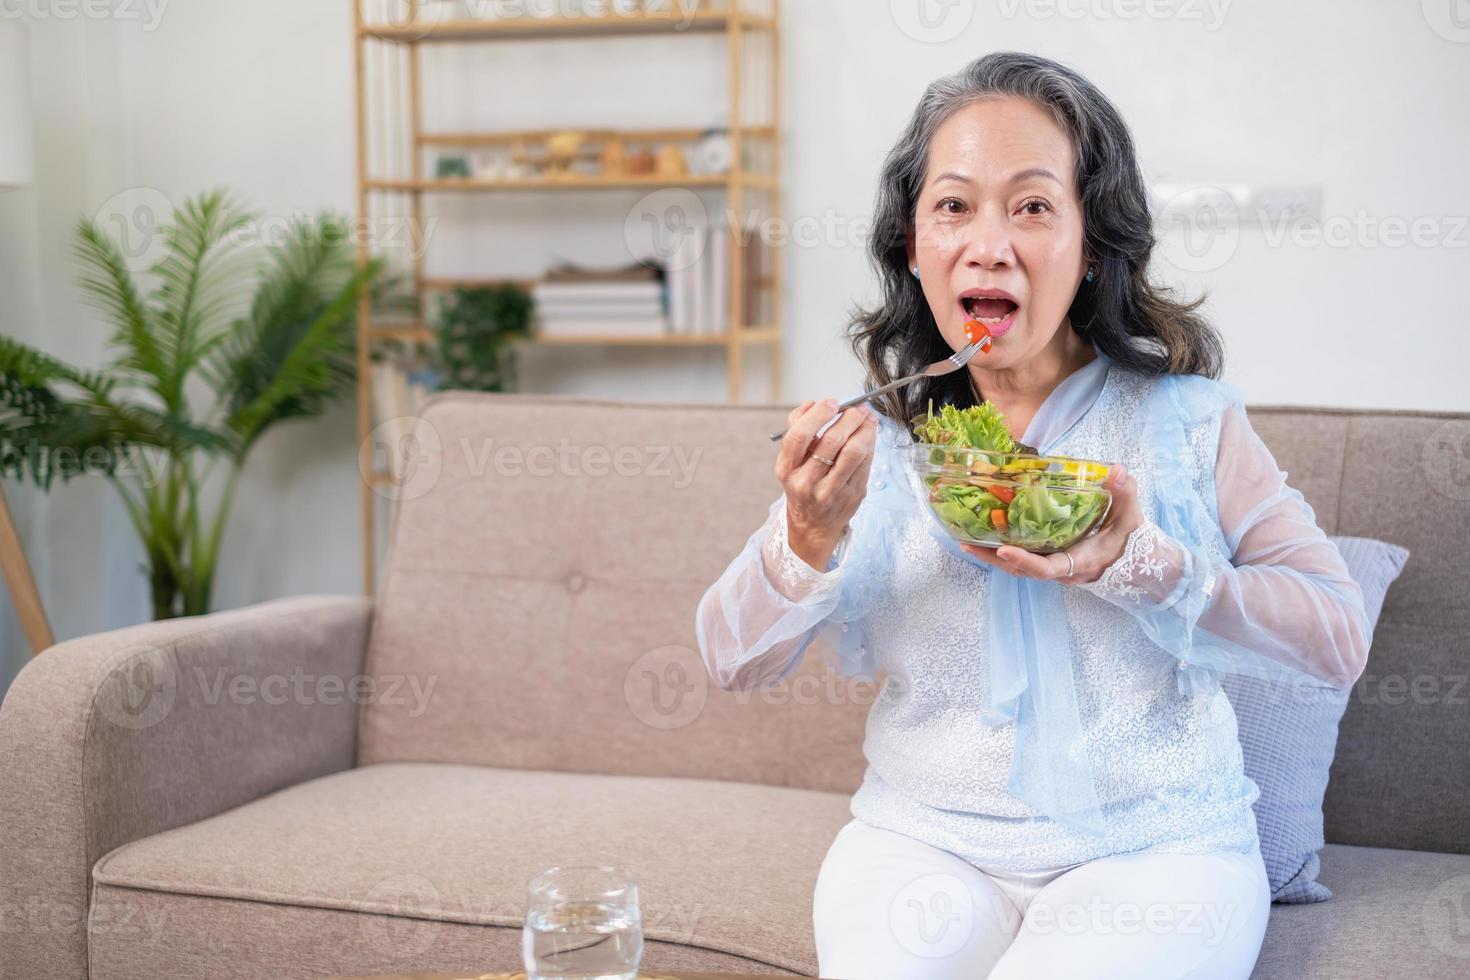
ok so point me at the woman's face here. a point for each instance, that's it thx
(998, 211)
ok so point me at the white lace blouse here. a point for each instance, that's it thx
(1260, 590)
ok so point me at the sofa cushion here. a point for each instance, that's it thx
(424, 866)
(1288, 735)
(1393, 914)
(544, 567)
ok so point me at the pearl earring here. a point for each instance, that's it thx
(1091, 273)
(915, 271)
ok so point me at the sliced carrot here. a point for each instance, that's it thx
(1004, 493)
(998, 518)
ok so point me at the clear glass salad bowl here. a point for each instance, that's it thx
(1040, 503)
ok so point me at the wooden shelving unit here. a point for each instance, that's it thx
(404, 27)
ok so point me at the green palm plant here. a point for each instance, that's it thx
(271, 340)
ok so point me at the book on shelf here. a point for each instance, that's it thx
(578, 301)
(717, 293)
(689, 294)
(643, 270)
(685, 248)
(593, 291)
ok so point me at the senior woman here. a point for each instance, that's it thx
(1055, 783)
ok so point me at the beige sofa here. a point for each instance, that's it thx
(330, 785)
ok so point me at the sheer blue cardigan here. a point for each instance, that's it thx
(1030, 655)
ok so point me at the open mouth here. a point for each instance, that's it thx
(998, 315)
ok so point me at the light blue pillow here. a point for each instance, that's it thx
(1288, 738)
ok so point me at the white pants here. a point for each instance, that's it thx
(889, 907)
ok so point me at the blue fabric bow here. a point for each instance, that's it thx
(1030, 648)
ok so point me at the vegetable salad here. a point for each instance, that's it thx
(990, 489)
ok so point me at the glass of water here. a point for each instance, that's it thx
(582, 923)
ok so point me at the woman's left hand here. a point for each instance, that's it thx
(1091, 556)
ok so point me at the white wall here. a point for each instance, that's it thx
(1362, 98)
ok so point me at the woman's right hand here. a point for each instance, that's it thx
(820, 499)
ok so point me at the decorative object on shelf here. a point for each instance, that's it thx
(273, 341)
(562, 149)
(614, 159)
(449, 167)
(670, 162)
(477, 328)
(497, 165)
(642, 163)
(713, 154)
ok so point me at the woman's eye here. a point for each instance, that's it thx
(1036, 203)
(944, 205)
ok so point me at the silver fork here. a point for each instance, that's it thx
(949, 365)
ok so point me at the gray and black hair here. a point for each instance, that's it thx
(1128, 318)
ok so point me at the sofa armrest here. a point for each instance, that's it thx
(113, 737)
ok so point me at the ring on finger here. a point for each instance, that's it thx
(823, 459)
(1071, 565)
